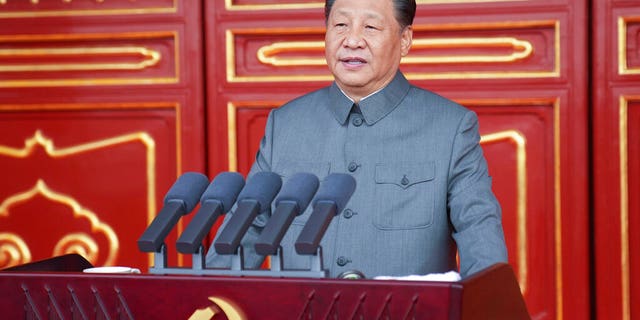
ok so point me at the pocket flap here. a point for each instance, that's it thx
(405, 175)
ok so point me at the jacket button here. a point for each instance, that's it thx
(404, 181)
(352, 166)
(348, 213)
(342, 261)
(357, 121)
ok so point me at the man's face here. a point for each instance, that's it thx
(364, 45)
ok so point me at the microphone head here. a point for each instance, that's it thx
(224, 188)
(338, 188)
(300, 189)
(187, 190)
(262, 187)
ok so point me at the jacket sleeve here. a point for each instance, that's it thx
(474, 210)
(251, 258)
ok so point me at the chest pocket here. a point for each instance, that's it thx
(404, 195)
(287, 168)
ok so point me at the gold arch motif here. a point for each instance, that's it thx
(521, 186)
(39, 139)
(14, 246)
(41, 188)
(150, 58)
(522, 50)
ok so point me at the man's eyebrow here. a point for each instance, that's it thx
(370, 15)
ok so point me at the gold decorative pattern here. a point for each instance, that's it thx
(13, 250)
(623, 132)
(149, 58)
(40, 140)
(142, 137)
(623, 65)
(521, 212)
(42, 189)
(80, 243)
(229, 4)
(522, 49)
(85, 12)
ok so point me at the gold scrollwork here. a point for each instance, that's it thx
(13, 250)
(79, 211)
(41, 188)
(80, 243)
(150, 58)
(521, 49)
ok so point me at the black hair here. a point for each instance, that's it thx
(405, 11)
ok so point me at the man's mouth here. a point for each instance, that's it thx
(355, 61)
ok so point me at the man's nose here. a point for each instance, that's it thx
(354, 39)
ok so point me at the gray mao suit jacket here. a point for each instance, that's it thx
(423, 189)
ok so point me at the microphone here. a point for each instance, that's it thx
(293, 199)
(216, 200)
(335, 191)
(181, 198)
(255, 197)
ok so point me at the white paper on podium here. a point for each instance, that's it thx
(450, 276)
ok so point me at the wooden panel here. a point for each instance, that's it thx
(616, 112)
(506, 49)
(110, 95)
(78, 169)
(88, 59)
(44, 8)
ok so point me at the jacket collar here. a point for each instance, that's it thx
(373, 107)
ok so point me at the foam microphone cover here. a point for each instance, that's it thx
(338, 188)
(299, 189)
(262, 187)
(224, 188)
(187, 190)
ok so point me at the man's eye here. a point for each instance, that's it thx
(371, 27)
(340, 24)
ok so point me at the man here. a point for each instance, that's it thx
(423, 188)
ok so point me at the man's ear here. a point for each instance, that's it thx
(406, 40)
